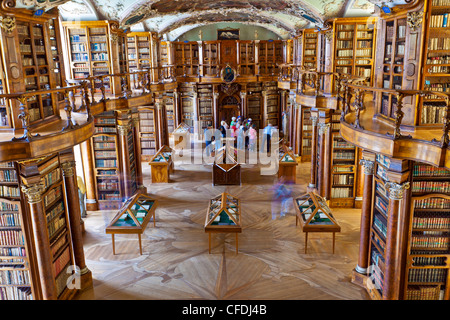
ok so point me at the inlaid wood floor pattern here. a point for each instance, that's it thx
(175, 264)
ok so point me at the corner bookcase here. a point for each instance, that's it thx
(31, 268)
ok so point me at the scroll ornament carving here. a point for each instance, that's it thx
(8, 24)
(396, 191)
(414, 19)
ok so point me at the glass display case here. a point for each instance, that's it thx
(162, 165)
(133, 217)
(314, 215)
(287, 164)
(226, 170)
(223, 216)
(180, 133)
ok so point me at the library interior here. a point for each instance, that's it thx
(224, 150)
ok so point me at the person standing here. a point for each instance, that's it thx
(252, 135)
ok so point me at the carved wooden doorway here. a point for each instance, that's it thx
(229, 107)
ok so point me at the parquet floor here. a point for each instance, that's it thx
(175, 264)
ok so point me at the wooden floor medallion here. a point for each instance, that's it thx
(175, 263)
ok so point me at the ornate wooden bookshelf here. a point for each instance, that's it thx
(310, 46)
(96, 48)
(32, 60)
(139, 50)
(354, 46)
(39, 228)
(114, 159)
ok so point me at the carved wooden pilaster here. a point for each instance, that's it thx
(392, 274)
(33, 193)
(314, 137)
(73, 204)
(364, 240)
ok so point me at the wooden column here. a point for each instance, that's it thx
(33, 189)
(392, 274)
(264, 115)
(366, 209)
(176, 108)
(327, 155)
(244, 111)
(314, 136)
(216, 110)
(359, 194)
(321, 171)
(160, 111)
(89, 179)
(123, 129)
(196, 113)
(137, 150)
(73, 206)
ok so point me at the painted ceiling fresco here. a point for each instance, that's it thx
(168, 17)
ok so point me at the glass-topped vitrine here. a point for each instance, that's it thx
(223, 216)
(162, 165)
(133, 217)
(287, 164)
(314, 215)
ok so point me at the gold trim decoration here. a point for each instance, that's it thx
(396, 191)
(68, 168)
(368, 166)
(33, 192)
(8, 24)
(414, 19)
(123, 129)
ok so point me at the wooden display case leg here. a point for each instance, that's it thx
(334, 240)
(209, 242)
(237, 244)
(113, 244)
(140, 243)
(306, 241)
(154, 219)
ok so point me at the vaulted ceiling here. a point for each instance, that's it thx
(173, 17)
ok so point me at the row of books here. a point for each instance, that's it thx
(440, 3)
(7, 191)
(98, 46)
(340, 179)
(345, 34)
(422, 293)
(99, 56)
(346, 192)
(109, 196)
(430, 241)
(56, 210)
(344, 53)
(13, 251)
(343, 155)
(15, 293)
(364, 34)
(429, 261)
(105, 154)
(61, 261)
(101, 163)
(430, 186)
(432, 203)
(432, 114)
(432, 221)
(104, 145)
(381, 204)
(438, 69)
(8, 176)
(80, 57)
(439, 60)
(439, 44)
(363, 72)
(343, 62)
(439, 20)
(16, 277)
(341, 169)
(13, 219)
(55, 225)
(379, 225)
(427, 275)
(52, 195)
(78, 46)
(105, 185)
(11, 237)
(51, 178)
(105, 129)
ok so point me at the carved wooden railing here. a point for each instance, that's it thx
(70, 105)
(354, 103)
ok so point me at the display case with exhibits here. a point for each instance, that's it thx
(162, 165)
(223, 216)
(133, 217)
(226, 170)
(287, 164)
(314, 215)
